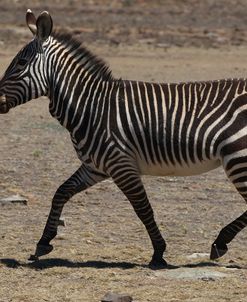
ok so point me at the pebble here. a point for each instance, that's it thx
(112, 297)
(198, 255)
(13, 199)
(204, 274)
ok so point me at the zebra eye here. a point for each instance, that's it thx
(21, 62)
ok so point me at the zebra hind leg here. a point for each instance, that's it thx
(219, 247)
(236, 169)
(129, 182)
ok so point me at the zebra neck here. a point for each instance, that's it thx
(77, 79)
(73, 103)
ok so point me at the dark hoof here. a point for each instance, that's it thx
(156, 264)
(217, 252)
(61, 222)
(33, 258)
(41, 250)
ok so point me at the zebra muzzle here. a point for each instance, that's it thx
(4, 108)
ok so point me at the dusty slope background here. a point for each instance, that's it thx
(104, 247)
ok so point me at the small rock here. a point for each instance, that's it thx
(111, 297)
(197, 255)
(13, 199)
(205, 274)
(207, 279)
(163, 45)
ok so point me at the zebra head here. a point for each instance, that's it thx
(26, 76)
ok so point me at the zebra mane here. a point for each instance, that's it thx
(95, 63)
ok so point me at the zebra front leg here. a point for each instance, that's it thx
(128, 180)
(82, 179)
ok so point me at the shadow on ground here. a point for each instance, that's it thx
(58, 262)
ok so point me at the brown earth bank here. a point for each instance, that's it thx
(163, 23)
(104, 247)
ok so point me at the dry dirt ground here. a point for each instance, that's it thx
(103, 246)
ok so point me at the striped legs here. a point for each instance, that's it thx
(236, 169)
(219, 247)
(82, 179)
(129, 182)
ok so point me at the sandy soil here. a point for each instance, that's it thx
(103, 246)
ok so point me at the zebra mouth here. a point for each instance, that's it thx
(4, 108)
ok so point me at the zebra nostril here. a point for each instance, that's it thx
(4, 108)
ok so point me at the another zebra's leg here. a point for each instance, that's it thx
(82, 179)
(128, 180)
(236, 169)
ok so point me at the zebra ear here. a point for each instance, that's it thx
(44, 26)
(31, 21)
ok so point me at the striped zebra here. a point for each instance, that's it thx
(124, 129)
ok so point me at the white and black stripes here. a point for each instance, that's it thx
(122, 129)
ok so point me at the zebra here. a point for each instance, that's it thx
(124, 129)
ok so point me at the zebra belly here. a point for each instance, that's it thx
(164, 169)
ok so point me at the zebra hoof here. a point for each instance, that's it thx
(157, 264)
(42, 250)
(217, 252)
(33, 258)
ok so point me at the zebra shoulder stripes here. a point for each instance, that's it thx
(123, 129)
